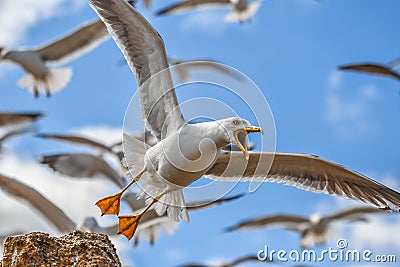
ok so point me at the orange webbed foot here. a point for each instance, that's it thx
(110, 204)
(128, 225)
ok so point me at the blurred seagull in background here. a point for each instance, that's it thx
(51, 212)
(314, 230)
(374, 68)
(163, 172)
(243, 10)
(41, 78)
(16, 119)
(83, 165)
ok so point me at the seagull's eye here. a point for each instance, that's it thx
(235, 122)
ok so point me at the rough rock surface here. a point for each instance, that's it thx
(76, 249)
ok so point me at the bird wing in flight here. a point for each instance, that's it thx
(372, 69)
(305, 172)
(75, 44)
(145, 53)
(188, 5)
(22, 191)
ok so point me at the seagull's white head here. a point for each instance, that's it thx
(237, 130)
(315, 218)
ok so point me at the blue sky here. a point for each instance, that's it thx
(291, 50)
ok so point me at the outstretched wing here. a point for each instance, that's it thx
(82, 165)
(305, 172)
(20, 190)
(353, 213)
(75, 44)
(286, 221)
(7, 119)
(190, 5)
(145, 53)
(372, 68)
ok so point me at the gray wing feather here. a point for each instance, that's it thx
(82, 165)
(73, 45)
(372, 68)
(305, 172)
(287, 221)
(145, 53)
(7, 119)
(50, 211)
(191, 4)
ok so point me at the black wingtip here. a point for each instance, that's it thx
(229, 229)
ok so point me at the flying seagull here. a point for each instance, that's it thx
(50, 211)
(239, 261)
(242, 12)
(163, 172)
(41, 78)
(314, 230)
(372, 68)
(16, 119)
(83, 165)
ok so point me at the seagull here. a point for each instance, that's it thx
(243, 10)
(373, 68)
(42, 78)
(151, 223)
(51, 212)
(314, 230)
(83, 165)
(182, 67)
(239, 261)
(186, 152)
(16, 119)
(81, 140)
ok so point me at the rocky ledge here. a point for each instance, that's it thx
(74, 249)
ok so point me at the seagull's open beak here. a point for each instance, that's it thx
(245, 131)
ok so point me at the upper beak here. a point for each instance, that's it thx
(245, 131)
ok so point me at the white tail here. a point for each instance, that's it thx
(134, 151)
(172, 202)
(242, 16)
(56, 79)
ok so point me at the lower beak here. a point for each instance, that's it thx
(245, 131)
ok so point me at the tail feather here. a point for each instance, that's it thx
(172, 202)
(134, 151)
(55, 80)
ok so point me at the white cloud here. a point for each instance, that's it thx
(377, 234)
(208, 21)
(349, 114)
(17, 16)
